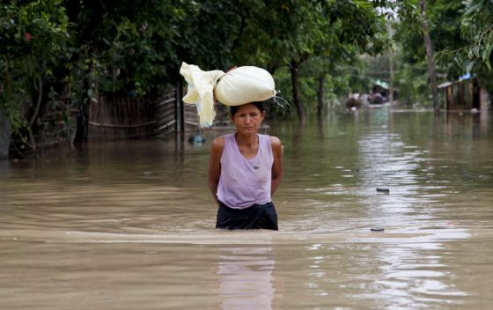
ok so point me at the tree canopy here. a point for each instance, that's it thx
(79, 50)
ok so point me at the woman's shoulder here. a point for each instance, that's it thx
(270, 138)
(274, 141)
(218, 143)
(276, 145)
(223, 138)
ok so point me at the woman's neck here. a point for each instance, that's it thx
(247, 140)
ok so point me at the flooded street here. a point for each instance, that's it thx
(130, 225)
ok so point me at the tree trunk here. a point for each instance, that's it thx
(300, 108)
(429, 56)
(320, 95)
(5, 130)
(391, 66)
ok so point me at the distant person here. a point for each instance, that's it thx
(376, 98)
(379, 98)
(245, 170)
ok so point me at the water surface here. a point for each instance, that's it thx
(129, 225)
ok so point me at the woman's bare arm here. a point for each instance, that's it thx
(214, 169)
(277, 167)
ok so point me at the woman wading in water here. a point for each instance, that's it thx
(245, 169)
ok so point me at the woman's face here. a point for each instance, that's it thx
(248, 119)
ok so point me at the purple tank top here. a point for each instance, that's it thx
(245, 182)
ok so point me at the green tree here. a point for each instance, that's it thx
(443, 23)
(33, 42)
(71, 48)
(477, 28)
(288, 33)
(476, 55)
(82, 50)
(429, 55)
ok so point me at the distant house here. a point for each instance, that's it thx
(380, 92)
(465, 94)
(380, 87)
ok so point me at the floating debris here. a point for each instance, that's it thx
(196, 139)
(383, 190)
(377, 228)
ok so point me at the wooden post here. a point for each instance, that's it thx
(179, 111)
(320, 94)
(476, 99)
(449, 97)
(460, 95)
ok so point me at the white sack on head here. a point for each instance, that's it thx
(201, 91)
(236, 87)
(245, 84)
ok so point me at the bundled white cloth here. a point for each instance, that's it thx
(236, 87)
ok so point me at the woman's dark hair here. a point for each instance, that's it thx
(258, 104)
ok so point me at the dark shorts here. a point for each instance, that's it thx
(254, 217)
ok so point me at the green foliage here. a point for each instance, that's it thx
(443, 21)
(462, 36)
(411, 80)
(315, 36)
(476, 56)
(129, 51)
(344, 73)
(477, 27)
(114, 48)
(411, 70)
(135, 48)
(33, 40)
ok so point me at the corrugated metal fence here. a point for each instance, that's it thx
(120, 118)
(115, 118)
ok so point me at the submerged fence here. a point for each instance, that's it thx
(166, 114)
(120, 118)
(115, 118)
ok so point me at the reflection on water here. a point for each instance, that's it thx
(129, 225)
(245, 275)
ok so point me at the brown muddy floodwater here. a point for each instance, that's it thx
(129, 225)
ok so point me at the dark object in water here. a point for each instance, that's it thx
(353, 103)
(377, 229)
(196, 139)
(383, 190)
